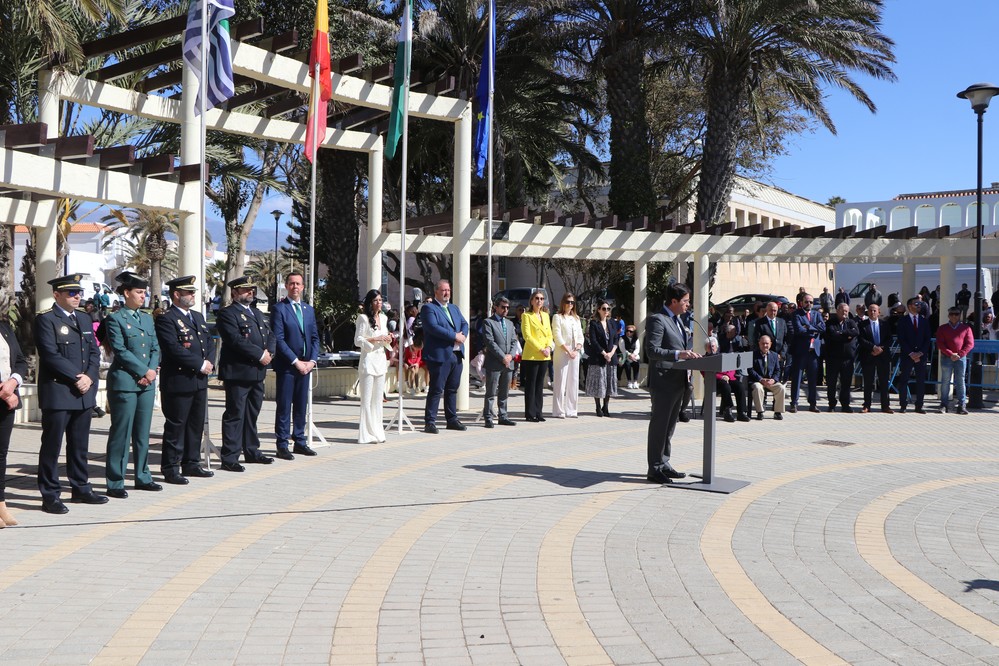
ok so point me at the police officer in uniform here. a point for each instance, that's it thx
(186, 347)
(131, 335)
(69, 360)
(245, 356)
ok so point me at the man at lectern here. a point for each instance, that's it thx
(667, 340)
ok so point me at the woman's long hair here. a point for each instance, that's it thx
(544, 305)
(368, 307)
(597, 310)
(565, 305)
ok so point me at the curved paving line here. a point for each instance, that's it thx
(869, 532)
(136, 635)
(716, 548)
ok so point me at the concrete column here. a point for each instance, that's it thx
(461, 255)
(191, 247)
(640, 307)
(375, 222)
(47, 220)
(948, 285)
(700, 298)
(908, 281)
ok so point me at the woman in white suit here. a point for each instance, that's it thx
(568, 332)
(371, 334)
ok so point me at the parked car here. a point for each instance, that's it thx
(744, 303)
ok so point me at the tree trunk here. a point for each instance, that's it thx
(339, 224)
(631, 194)
(726, 91)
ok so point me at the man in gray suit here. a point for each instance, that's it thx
(499, 340)
(667, 341)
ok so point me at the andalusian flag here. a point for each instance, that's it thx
(220, 84)
(320, 55)
(400, 90)
(484, 95)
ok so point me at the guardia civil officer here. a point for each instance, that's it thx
(186, 347)
(69, 360)
(244, 359)
(131, 386)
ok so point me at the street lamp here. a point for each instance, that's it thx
(979, 94)
(277, 218)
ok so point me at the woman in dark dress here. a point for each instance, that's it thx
(13, 367)
(601, 357)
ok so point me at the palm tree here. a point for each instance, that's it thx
(266, 273)
(799, 46)
(618, 41)
(148, 234)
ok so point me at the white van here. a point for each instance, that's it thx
(890, 281)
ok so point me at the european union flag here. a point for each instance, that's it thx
(483, 93)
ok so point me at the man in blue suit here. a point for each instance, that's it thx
(444, 333)
(913, 332)
(808, 328)
(296, 337)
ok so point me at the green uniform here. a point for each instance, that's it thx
(132, 337)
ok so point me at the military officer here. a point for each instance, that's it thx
(245, 356)
(131, 335)
(187, 348)
(69, 360)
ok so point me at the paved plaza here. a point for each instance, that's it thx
(862, 539)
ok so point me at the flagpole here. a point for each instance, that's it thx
(207, 446)
(491, 36)
(317, 140)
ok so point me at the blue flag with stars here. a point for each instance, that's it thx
(483, 94)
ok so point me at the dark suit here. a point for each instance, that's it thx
(442, 359)
(840, 352)
(912, 338)
(778, 337)
(18, 366)
(875, 367)
(66, 348)
(665, 338)
(185, 345)
(245, 334)
(807, 326)
(498, 340)
(292, 342)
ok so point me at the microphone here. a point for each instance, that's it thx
(703, 330)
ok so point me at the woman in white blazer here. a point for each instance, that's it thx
(371, 334)
(568, 332)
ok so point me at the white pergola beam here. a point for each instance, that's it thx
(105, 96)
(19, 211)
(283, 71)
(44, 175)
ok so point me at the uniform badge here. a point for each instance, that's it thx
(243, 316)
(128, 326)
(64, 330)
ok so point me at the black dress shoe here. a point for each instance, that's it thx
(778, 417)
(919, 410)
(488, 423)
(683, 417)
(304, 450)
(88, 498)
(176, 479)
(232, 467)
(259, 459)
(759, 416)
(847, 410)
(119, 493)
(456, 425)
(55, 506)
(727, 417)
(668, 471)
(284, 454)
(198, 471)
(507, 422)
(743, 417)
(656, 476)
(151, 486)
(813, 408)
(793, 409)
(541, 419)
(431, 429)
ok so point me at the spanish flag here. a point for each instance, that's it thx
(320, 55)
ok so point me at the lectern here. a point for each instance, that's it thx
(710, 365)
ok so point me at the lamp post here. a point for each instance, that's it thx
(277, 279)
(979, 94)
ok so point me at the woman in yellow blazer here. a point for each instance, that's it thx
(536, 327)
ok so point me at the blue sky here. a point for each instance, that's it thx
(922, 138)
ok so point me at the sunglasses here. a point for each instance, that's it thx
(605, 308)
(570, 302)
(73, 292)
(538, 298)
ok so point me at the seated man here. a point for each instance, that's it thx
(765, 376)
(726, 383)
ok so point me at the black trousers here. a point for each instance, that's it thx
(532, 374)
(907, 367)
(75, 424)
(725, 392)
(6, 427)
(881, 367)
(184, 415)
(839, 373)
(667, 398)
(239, 421)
